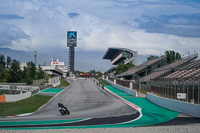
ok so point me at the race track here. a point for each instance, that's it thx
(87, 103)
(94, 107)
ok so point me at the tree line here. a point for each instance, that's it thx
(171, 56)
(10, 71)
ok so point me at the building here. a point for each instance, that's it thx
(120, 55)
(57, 69)
(60, 65)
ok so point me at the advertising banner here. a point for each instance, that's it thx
(181, 95)
(71, 38)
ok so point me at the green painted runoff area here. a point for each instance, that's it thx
(151, 114)
(53, 90)
(9, 123)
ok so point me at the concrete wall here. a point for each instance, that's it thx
(179, 106)
(54, 81)
(19, 87)
(126, 90)
(13, 98)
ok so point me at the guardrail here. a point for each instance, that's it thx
(179, 106)
(23, 88)
(126, 90)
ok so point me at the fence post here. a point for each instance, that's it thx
(171, 88)
(131, 85)
(187, 93)
(184, 88)
(193, 92)
(11, 89)
(198, 92)
(114, 81)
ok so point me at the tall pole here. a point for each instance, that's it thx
(35, 56)
(71, 58)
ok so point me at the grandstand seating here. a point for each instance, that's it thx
(155, 75)
(166, 69)
(184, 74)
(178, 63)
(195, 64)
(139, 68)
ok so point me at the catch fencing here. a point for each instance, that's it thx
(186, 91)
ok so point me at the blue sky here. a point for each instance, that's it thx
(147, 26)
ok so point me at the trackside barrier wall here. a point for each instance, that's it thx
(179, 106)
(126, 90)
(14, 98)
(54, 81)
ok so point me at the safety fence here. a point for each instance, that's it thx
(124, 83)
(18, 89)
(186, 91)
(14, 89)
(39, 82)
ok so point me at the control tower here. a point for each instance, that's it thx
(71, 43)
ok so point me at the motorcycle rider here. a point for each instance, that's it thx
(60, 106)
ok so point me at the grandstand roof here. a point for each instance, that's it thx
(113, 54)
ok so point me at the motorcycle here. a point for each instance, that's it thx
(64, 111)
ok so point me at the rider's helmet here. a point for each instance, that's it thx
(59, 104)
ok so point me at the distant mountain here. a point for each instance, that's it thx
(21, 56)
(84, 61)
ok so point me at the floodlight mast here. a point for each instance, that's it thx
(35, 56)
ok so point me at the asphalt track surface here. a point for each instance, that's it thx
(95, 117)
(87, 103)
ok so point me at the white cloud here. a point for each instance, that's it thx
(99, 25)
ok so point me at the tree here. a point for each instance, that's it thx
(8, 61)
(31, 70)
(122, 68)
(151, 57)
(1, 70)
(2, 60)
(41, 73)
(15, 72)
(4, 76)
(172, 56)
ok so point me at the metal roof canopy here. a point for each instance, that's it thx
(111, 52)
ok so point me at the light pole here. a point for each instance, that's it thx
(35, 56)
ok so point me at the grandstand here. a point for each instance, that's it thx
(194, 64)
(181, 77)
(143, 69)
(120, 55)
(184, 78)
(160, 72)
(184, 74)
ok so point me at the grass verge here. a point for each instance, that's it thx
(28, 105)
(101, 81)
(63, 83)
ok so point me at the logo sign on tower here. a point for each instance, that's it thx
(71, 38)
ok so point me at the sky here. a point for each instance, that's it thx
(148, 26)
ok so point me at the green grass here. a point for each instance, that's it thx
(101, 81)
(28, 105)
(63, 83)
